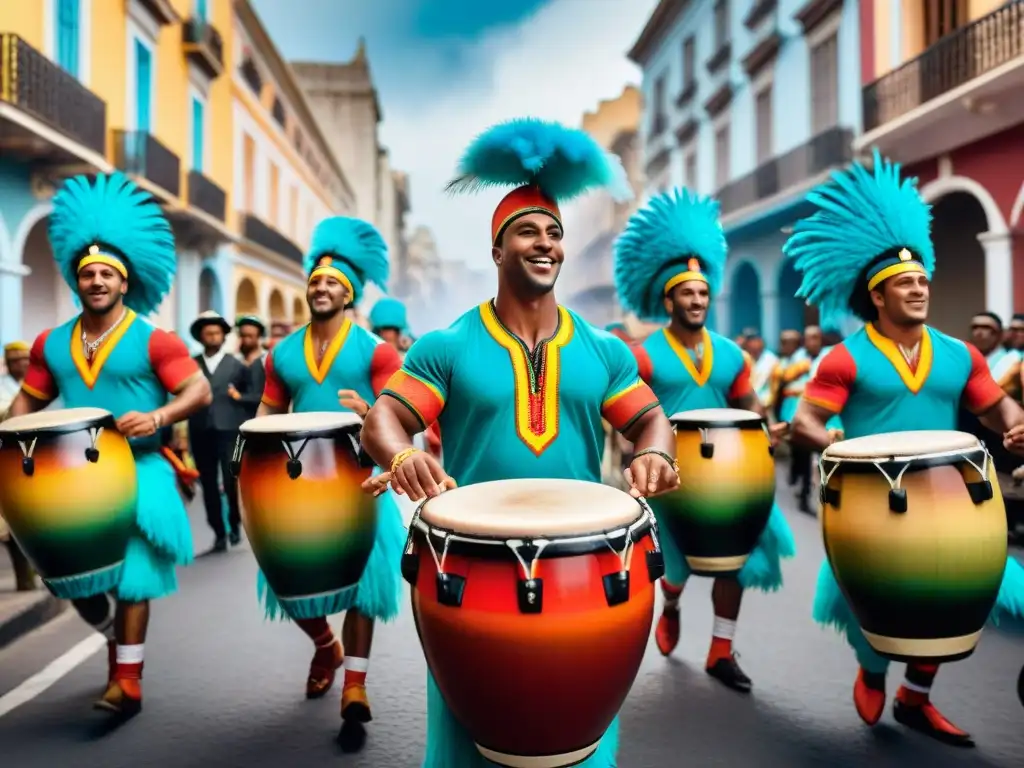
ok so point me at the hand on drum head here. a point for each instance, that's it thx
(418, 477)
(350, 399)
(779, 431)
(135, 424)
(1013, 440)
(835, 435)
(650, 475)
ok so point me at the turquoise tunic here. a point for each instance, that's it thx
(129, 380)
(294, 377)
(506, 413)
(867, 381)
(718, 380)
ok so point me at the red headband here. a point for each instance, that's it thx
(520, 202)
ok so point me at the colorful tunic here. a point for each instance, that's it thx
(134, 370)
(529, 415)
(718, 380)
(867, 380)
(761, 377)
(355, 359)
(1005, 367)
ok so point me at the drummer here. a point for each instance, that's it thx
(333, 364)
(868, 250)
(115, 249)
(516, 349)
(669, 263)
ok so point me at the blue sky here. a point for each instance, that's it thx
(447, 69)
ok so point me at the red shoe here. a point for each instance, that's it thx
(123, 696)
(926, 719)
(323, 669)
(666, 635)
(869, 695)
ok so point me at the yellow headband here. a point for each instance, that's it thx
(96, 256)
(325, 267)
(16, 346)
(895, 269)
(692, 273)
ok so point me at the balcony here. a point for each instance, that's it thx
(203, 46)
(45, 113)
(259, 232)
(139, 154)
(968, 85)
(206, 196)
(794, 170)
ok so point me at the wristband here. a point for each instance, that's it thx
(400, 457)
(649, 451)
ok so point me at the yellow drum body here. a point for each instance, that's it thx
(920, 563)
(726, 488)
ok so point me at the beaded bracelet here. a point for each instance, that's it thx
(648, 451)
(400, 457)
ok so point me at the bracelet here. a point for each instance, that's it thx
(649, 451)
(400, 457)
(158, 419)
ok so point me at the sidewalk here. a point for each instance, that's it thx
(21, 612)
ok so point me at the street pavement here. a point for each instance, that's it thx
(224, 688)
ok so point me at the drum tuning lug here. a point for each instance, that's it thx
(898, 500)
(655, 565)
(28, 465)
(92, 455)
(450, 588)
(410, 567)
(531, 595)
(235, 467)
(616, 588)
(771, 450)
(707, 450)
(828, 496)
(981, 491)
(294, 468)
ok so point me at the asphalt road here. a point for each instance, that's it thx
(223, 688)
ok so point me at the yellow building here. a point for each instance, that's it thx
(192, 100)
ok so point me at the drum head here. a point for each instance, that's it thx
(716, 417)
(891, 445)
(60, 421)
(299, 425)
(531, 509)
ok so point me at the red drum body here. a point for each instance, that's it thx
(534, 641)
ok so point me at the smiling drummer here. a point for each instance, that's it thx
(669, 263)
(868, 251)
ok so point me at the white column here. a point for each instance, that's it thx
(998, 273)
(770, 318)
(724, 321)
(11, 278)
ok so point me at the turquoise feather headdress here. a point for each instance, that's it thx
(676, 237)
(388, 313)
(351, 248)
(869, 226)
(115, 220)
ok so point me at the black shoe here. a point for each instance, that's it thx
(728, 672)
(352, 736)
(235, 538)
(220, 545)
(916, 719)
(805, 504)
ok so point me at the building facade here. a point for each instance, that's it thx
(943, 93)
(753, 102)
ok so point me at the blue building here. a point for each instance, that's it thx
(754, 102)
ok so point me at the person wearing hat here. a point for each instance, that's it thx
(669, 265)
(251, 333)
(333, 364)
(867, 251)
(212, 430)
(16, 364)
(388, 320)
(521, 347)
(115, 249)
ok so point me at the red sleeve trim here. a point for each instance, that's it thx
(171, 362)
(39, 381)
(833, 382)
(418, 396)
(741, 386)
(275, 393)
(981, 391)
(643, 363)
(384, 364)
(625, 407)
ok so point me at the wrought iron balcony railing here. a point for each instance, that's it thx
(204, 46)
(261, 233)
(205, 195)
(138, 153)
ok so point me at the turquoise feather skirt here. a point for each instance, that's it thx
(379, 591)
(832, 610)
(763, 569)
(450, 746)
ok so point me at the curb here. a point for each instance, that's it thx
(33, 616)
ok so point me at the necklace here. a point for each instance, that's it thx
(90, 347)
(910, 355)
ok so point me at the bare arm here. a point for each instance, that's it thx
(1003, 416)
(24, 404)
(388, 429)
(192, 395)
(652, 430)
(809, 426)
(266, 409)
(750, 402)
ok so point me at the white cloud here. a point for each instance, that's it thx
(555, 65)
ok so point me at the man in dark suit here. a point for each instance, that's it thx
(251, 353)
(212, 430)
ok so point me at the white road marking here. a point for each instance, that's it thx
(51, 673)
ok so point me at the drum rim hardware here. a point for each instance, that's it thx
(707, 448)
(57, 430)
(294, 463)
(705, 424)
(27, 443)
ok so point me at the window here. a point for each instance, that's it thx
(825, 85)
(763, 124)
(143, 87)
(722, 156)
(202, 12)
(689, 61)
(275, 195)
(249, 170)
(942, 17)
(198, 133)
(690, 169)
(660, 118)
(721, 23)
(293, 212)
(69, 35)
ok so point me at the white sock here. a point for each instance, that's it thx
(130, 654)
(724, 628)
(356, 664)
(916, 686)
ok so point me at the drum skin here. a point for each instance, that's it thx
(723, 503)
(921, 583)
(71, 517)
(548, 683)
(312, 536)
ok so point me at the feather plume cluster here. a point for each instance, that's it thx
(358, 247)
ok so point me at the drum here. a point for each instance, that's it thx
(726, 488)
(533, 605)
(916, 539)
(68, 489)
(310, 525)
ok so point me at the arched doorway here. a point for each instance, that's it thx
(745, 300)
(298, 311)
(958, 285)
(793, 311)
(210, 296)
(278, 313)
(246, 302)
(43, 289)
